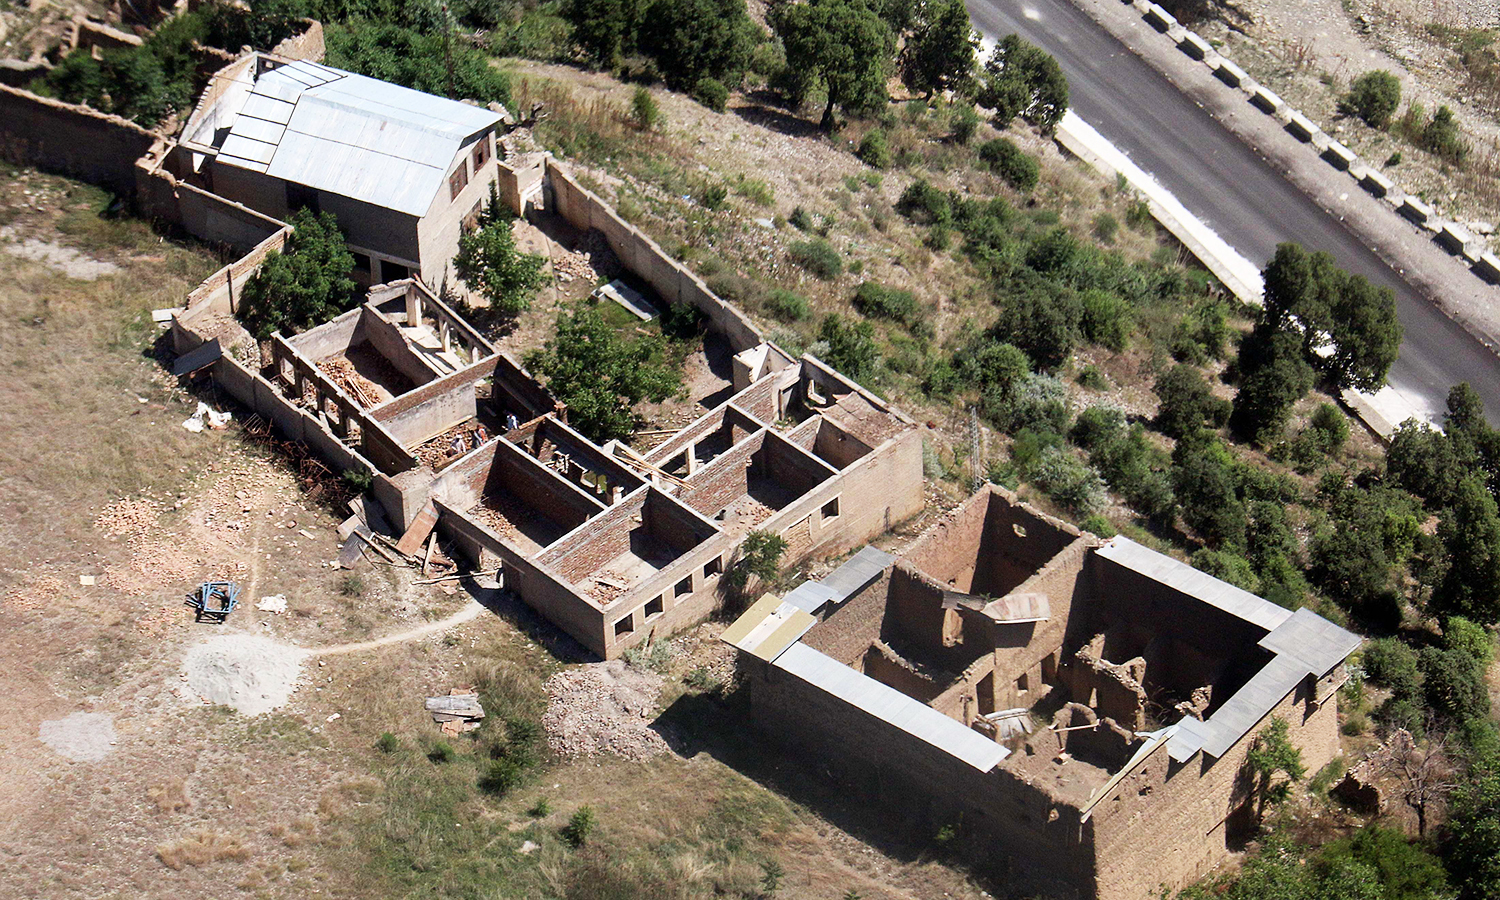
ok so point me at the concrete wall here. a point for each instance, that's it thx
(308, 45)
(207, 217)
(220, 291)
(71, 140)
(387, 340)
(673, 282)
(434, 407)
(438, 231)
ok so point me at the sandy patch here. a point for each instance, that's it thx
(81, 737)
(62, 259)
(250, 673)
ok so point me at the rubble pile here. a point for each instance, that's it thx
(603, 708)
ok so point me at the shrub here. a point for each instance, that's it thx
(712, 93)
(1453, 683)
(541, 809)
(580, 827)
(877, 301)
(1227, 566)
(1374, 97)
(1038, 402)
(768, 60)
(1093, 379)
(358, 479)
(442, 752)
(1068, 481)
(1442, 137)
(643, 110)
(964, 122)
(1391, 663)
(1008, 161)
(1043, 320)
(1107, 320)
(503, 776)
(351, 585)
(388, 743)
(874, 151)
(756, 190)
(1096, 524)
(1098, 424)
(924, 204)
(1461, 634)
(1106, 227)
(713, 196)
(1187, 403)
(801, 219)
(851, 347)
(787, 306)
(818, 257)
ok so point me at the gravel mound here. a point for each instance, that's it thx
(81, 737)
(603, 708)
(251, 673)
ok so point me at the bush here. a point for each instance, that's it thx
(1374, 97)
(1043, 320)
(580, 827)
(712, 93)
(963, 123)
(1442, 137)
(818, 257)
(1471, 638)
(1097, 425)
(1390, 663)
(874, 151)
(1453, 683)
(1187, 403)
(924, 204)
(1106, 227)
(643, 110)
(1096, 524)
(801, 219)
(541, 809)
(388, 743)
(1227, 566)
(1038, 402)
(851, 347)
(1068, 481)
(1107, 320)
(1008, 161)
(442, 752)
(877, 301)
(787, 306)
(756, 190)
(1093, 379)
(305, 284)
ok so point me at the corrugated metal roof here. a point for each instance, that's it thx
(810, 596)
(1318, 644)
(1182, 577)
(891, 706)
(351, 135)
(857, 573)
(768, 627)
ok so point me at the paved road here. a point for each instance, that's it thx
(1222, 181)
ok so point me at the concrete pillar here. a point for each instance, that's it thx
(443, 335)
(413, 308)
(692, 458)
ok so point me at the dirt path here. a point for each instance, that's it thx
(469, 613)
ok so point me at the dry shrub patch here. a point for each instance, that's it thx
(201, 848)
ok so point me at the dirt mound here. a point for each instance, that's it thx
(603, 708)
(251, 673)
(81, 737)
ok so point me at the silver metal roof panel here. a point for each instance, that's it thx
(260, 106)
(1312, 640)
(857, 573)
(1251, 703)
(1187, 739)
(259, 129)
(891, 706)
(810, 596)
(1200, 585)
(242, 147)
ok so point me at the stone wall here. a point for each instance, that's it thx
(672, 282)
(71, 140)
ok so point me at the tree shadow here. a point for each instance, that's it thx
(780, 121)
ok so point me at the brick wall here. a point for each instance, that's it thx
(71, 140)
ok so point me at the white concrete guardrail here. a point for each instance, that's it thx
(1381, 411)
(1451, 236)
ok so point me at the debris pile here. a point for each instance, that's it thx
(341, 372)
(451, 444)
(603, 708)
(457, 712)
(592, 260)
(124, 517)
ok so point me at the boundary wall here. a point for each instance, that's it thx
(69, 139)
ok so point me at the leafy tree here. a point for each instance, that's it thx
(600, 376)
(874, 150)
(1043, 320)
(1389, 662)
(1472, 841)
(489, 263)
(986, 363)
(603, 29)
(306, 284)
(1422, 460)
(1453, 683)
(1374, 97)
(1020, 79)
(851, 347)
(1204, 479)
(940, 54)
(1348, 327)
(416, 60)
(843, 45)
(1274, 376)
(696, 39)
(1271, 755)
(1187, 403)
(643, 109)
(760, 557)
(1470, 533)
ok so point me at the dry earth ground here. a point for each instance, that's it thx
(116, 781)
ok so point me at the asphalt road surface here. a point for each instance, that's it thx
(1235, 192)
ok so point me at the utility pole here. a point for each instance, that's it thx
(976, 451)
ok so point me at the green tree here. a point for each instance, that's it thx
(760, 557)
(1203, 476)
(940, 54)
(1271, 755)
(1274, 375)
(851, 346)
(417, 60)
(643, 109)
(1422, 460)
(1374, 97)
(489, 263)
(696, 39)
(306, 284)
(843, 45)
(1348, 327)
(1020, 79)
(604, 30)
(1453, 683)
(1044, 320)
(600, 376)
(1187, 402)
(1470, 534)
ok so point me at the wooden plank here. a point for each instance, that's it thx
(421, 528)
(205, 354)
(427, 558)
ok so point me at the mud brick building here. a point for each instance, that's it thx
(1081, 707)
